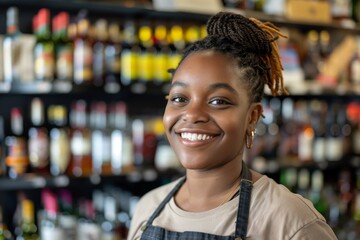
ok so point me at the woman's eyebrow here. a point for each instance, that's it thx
(178, 84)
(224, 86)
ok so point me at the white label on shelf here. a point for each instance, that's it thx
(197, 6)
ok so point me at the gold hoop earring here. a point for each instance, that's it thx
(249, 139)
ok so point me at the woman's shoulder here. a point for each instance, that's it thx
(281, 212)
(279, 197)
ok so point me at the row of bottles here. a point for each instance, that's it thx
(299, 132)
(103, 216)
(336, 197)
(99, 53)
(93, 138)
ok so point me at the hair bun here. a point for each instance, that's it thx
(240, 30)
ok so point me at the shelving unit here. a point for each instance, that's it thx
(150, 103)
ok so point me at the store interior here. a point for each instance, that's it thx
(83, 87)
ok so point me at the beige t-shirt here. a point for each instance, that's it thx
(275, 213)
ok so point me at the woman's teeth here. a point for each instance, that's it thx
(195, 136)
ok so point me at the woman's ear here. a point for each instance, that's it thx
(255, 112)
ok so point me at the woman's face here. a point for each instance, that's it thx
(208, 112)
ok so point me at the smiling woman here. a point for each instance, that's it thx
(213, 107)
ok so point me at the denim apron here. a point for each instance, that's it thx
(151, 232)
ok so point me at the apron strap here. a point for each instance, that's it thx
(165, 201)
(244, 203)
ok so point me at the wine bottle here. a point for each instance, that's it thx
(59, 140)
(129, 54)
(11, 47)
(80, 141)
(110, 226)
(100, 42)
(67, 217)
(161, 56)
(83, 54)
(28, 228)
(63, 52)
(50, 228)
(100, 139)
(5, 234)
(38, 143)
(17, 160)
(112, 59)
(44, 48)
(122, 147)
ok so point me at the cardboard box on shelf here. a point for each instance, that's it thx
(315, 11)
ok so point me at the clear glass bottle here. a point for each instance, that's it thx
(12, 47)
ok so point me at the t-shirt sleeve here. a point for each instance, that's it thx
(315, 230)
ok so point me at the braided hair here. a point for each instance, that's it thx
(252, 44)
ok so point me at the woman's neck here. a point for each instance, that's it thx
(205, 190)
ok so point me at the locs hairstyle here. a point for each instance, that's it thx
(252, 44)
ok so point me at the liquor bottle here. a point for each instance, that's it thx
(310, 64)
(59, 140)
(100, 42)
(145, 58)
(303, 182)
(50, 228)
(161, 56)
(192, 34)
(100, 139)
(38, 143)
(67, 218)
(63, 52)
(110, 226)
(80, 141)
(177, 44)
(28, 228)
(318, 112)
(165, 157)
(83, 54)
(2, 147)
(16, 160)
(5, 234)
(112, 59)
(129, 54)
(316, 192)
(11, 47)
(87, 227)
(122, 147)
(306, 133)
(334, 140)
(44, 67)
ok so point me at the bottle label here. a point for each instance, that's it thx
(17, 158)
(64, 63)
(129, 69)
(174, 60)
(146, 66)
(83, 59)
(38, 148)
(59, 150)
(44, 61)
(161, 67)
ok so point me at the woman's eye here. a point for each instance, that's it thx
(219, 102)
(178, 99)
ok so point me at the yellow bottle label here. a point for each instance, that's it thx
(161, 67)
(174, 60)
(146, 72)
(129, 65)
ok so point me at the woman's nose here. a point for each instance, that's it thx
(196, 112)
